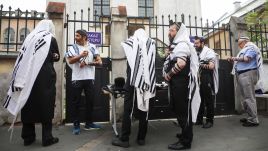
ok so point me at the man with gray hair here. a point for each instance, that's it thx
(247, 68)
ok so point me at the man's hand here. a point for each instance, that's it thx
(84, 53)
(82, 64)
(167, 77)
(167, 52)
(55, 56)
(232, 59)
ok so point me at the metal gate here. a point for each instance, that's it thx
(217, 37)
(99, 24)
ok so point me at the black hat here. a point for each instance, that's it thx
(119, 83)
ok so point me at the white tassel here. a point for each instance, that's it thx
(11, 128)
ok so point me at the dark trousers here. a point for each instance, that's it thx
(207, 99)
(126, 123)
(182, 107)
(77, 88)
(28, 131)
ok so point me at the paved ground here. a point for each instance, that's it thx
(226, 135)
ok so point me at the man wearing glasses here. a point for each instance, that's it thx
(247, 66)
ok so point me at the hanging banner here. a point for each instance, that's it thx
(94, 38)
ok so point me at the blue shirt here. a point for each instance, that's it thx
(252, 64)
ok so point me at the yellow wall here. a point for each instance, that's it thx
(224, 39)
(13, 24)
(6, 65)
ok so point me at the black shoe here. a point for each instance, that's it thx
(179, 135)
(120, 143)
(51, 141)
(249, 124)
(199, 122)
(178, 146)
(208, 125)
(141, 142)
(243, 120)
(28, 142)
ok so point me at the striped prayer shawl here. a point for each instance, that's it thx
(28, 64)
(31, 58)
(208, 54)
(182, 47)
(142, 67)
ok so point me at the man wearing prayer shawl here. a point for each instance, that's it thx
(140, 85)
(32, 89)
(82, 57)
(248, 71)
(208, 81)
(180, 70)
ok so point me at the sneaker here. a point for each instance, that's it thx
(92, 126)
(76, 130)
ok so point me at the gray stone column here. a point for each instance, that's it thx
(238, 28)
(55, 12)
(118, 34)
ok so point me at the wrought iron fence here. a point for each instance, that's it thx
(217, 36)
(15, 25)
(258, 35)
(91, 22)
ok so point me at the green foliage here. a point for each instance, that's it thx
(259, 17)
(252, 18)
(256, 22)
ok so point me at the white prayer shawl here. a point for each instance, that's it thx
(208, 54)
(182, 38)
(140, 53)
(249, 45)
(91, 48)
(28, 64)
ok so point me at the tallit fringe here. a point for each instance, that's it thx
(11, 128)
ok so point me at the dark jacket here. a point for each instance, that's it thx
(41, 102)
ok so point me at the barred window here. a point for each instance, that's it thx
(23, 33)
(146, 8)
(9, 37)
(102, 7)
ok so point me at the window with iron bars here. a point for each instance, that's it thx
(23, 33)
(101, 8)
(146, 8)
(9, 37)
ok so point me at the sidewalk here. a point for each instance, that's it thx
(226, 135)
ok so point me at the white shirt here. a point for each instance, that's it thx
(87, 72)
